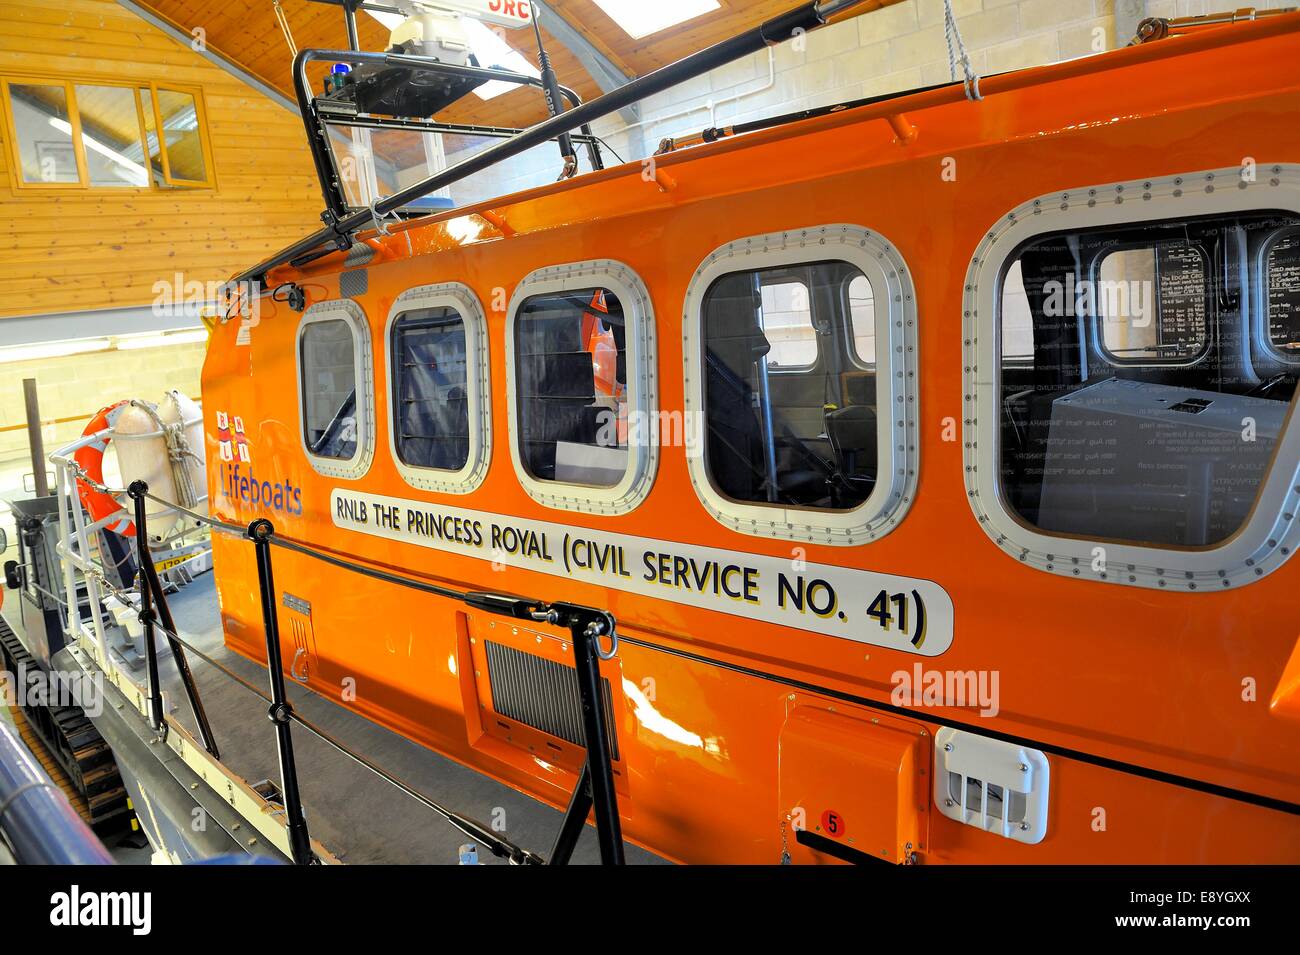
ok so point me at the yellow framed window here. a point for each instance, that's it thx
(71, 133)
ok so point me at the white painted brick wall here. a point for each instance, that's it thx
(78, 386)
(889, 50)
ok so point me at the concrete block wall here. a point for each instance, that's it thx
(888, 50)
(76, 387)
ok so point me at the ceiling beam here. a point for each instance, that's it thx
(601, 68)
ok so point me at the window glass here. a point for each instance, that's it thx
(805, 437)
(571, 368)
(329, 388)
(120, 145)
(1017, 320)
(430, 399)
(1284, 294)
(1160, 451)
(43, 127)
(1151, 302)
(862, 315)
(110, 134)
(787, 323)
(180, 120)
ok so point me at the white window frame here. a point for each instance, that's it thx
(1276, 360)
(465, 303)
(1097, 327)
(350, 312)
(1270, 533)
(897, 446)
(642, 387)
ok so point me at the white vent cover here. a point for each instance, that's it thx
(995, 786)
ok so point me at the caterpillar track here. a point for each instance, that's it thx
(75, 744)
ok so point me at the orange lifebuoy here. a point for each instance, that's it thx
(91, 460)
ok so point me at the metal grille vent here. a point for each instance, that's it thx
(353, 284)
(359, 254)
(991, 784)
(542, 694)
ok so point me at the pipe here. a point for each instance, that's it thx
(36, 819)
(779, 28)
(34, 437)
(350, 21)
(1159, 28)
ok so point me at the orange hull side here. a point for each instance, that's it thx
(1144, 677)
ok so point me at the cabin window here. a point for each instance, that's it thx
(334, 388)
(580, 359)
(571, 356)
(330, 383)
(103, 134)
(429, 398)
(795, 341)
(437, 358)
(1135, 437)
(800, 434)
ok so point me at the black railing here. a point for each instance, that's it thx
(338, 230)
(317, 121)
(153, 612)
(594, 792)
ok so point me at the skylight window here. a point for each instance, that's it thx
(640, 18)
(489, 49)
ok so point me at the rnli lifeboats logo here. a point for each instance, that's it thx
(231, 440)
(902, 613)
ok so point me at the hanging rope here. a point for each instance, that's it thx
(284, 26)
(957, 53)
(380, 219)
(179, 453)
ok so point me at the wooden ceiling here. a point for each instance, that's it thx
(246, 32)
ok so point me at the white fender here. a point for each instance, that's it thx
(145, 459)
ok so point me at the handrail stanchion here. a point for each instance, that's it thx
(156, 718)
(260, 533)
(595, 788)
(154, 599)
(206, 737)
(575, 820)
(587, 627)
